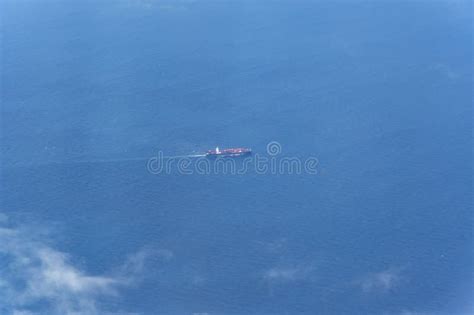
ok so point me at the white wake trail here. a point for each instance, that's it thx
(196, 155)
(184, 156)
(102, 161)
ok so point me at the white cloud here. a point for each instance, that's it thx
(287, 274)
(37, 273)
(445, 70)
(138, 264)
(380, 281)
(33, 273)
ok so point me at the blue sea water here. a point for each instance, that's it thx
(379, 92)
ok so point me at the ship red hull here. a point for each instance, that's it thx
(229, 152)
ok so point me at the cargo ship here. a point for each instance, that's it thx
(233, 152)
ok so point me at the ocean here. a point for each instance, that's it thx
(378, 93)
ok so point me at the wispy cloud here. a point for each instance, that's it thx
(35, 273)
(445, 70)
(287, 274)
(137, 265)
(281, 276)
(382, 281)
(36, 279)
